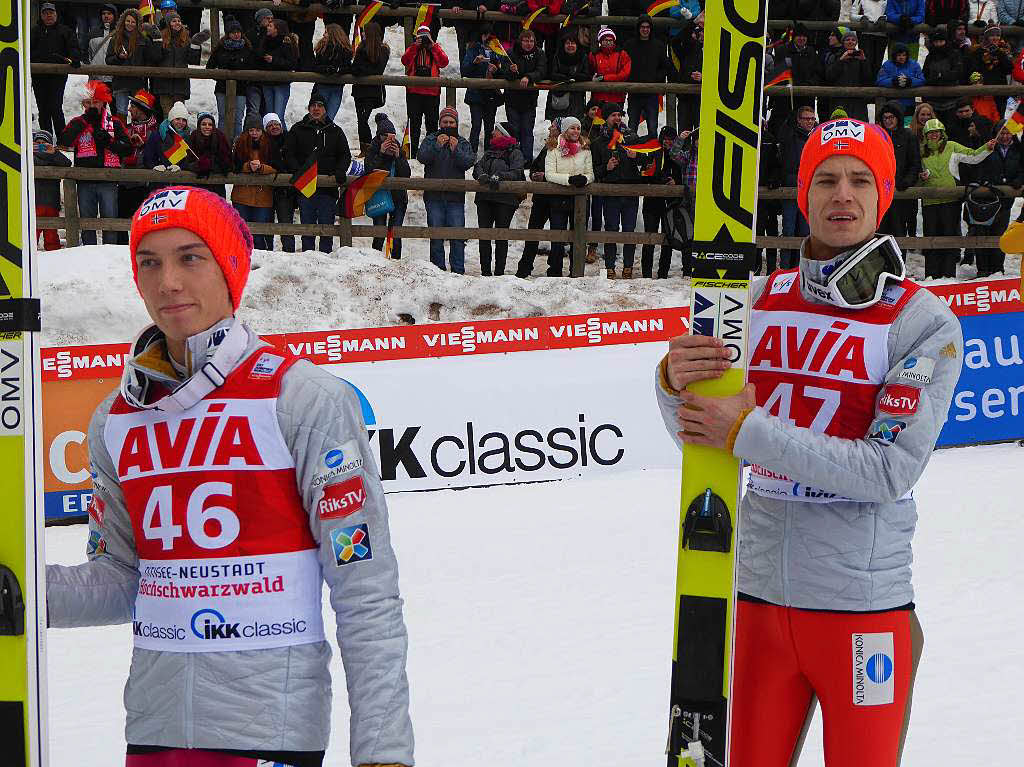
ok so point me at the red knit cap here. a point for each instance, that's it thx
(865, 141)
(205, 214)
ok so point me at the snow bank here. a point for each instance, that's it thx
(89, 297)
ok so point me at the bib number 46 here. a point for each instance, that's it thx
(158, 519)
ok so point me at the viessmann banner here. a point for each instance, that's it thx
(472, 404)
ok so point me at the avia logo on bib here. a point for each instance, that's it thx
(819, 346)
(873, 667)
(220, 440)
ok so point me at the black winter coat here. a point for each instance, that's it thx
(1002, 169)
(851, 71)
(628, 170)
(372, 96)
(533, 66)
(376, 160)
(791, 146)
(225, 58)
(564, 67)
(48, 190)
(943, 66)
(176, 57)
(129, 83)
(908, 158)
(690, 54)
(328, 140)
(333, 61)
(54, 45)
(507, 164)
(648, 61)
(284, 58)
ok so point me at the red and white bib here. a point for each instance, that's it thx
(226, 555)
(818, 367)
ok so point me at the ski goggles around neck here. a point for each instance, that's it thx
(860, 281)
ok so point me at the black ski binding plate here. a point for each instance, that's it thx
(12, 604)
(708, 526)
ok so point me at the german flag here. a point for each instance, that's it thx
(360, 191)
(573, 15)
(645, 148)
(177, 151)
(425, 15)
(651, 169)
(406, 144)
(304, 179)
(784, 76)
(389, 242)
(146, 8)
(616, 138)
(364, 18)
(495, 45)
(1016, 122)
(528, 21)
(660, 5)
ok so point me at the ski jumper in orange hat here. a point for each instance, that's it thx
(231, 482)
(852, 370)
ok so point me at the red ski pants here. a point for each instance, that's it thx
(787, 656)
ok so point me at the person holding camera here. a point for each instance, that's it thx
(993, 58)
(446, 154)
(424, 58)
(850, 68)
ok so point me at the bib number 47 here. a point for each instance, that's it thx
(158, 520)
(810, 407)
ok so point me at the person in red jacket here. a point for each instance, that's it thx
(610, 64)
(424, 58)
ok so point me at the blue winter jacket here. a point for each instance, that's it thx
(470, 68)
(889, 72)
(894, 9)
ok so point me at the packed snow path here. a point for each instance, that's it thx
(540, 625)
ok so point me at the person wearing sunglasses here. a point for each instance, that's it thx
(852, 368)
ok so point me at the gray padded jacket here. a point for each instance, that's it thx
(271, 699)
(843, 555)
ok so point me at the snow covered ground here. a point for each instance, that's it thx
(540, 624)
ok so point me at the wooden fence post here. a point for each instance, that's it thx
(72, 230)
(670, 110)
(579, 235)
(450, 95)
(345, 233)
(214, 28)
(230, 97)
(410, 33)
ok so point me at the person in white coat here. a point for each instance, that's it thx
(570, 165)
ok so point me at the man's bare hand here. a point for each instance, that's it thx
(695, 358)
(708, 420)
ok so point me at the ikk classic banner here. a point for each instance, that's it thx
(550, 397)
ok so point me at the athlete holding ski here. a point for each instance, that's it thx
(852, 368)
(230, 481)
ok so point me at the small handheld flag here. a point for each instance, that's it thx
(425, 15)
(1016, 122)
(406, 144)
(660, 5)
(389, 242)
(784, 76)
(495, 45)
(574, 14)
(364, 18)
(177, 151)
(304, 179)
(361, 190)
(616, 139)
(528, 21)
(146, 8)
(645, 148)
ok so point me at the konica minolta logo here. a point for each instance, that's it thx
(208, 623)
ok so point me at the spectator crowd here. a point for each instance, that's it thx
(130, 121)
